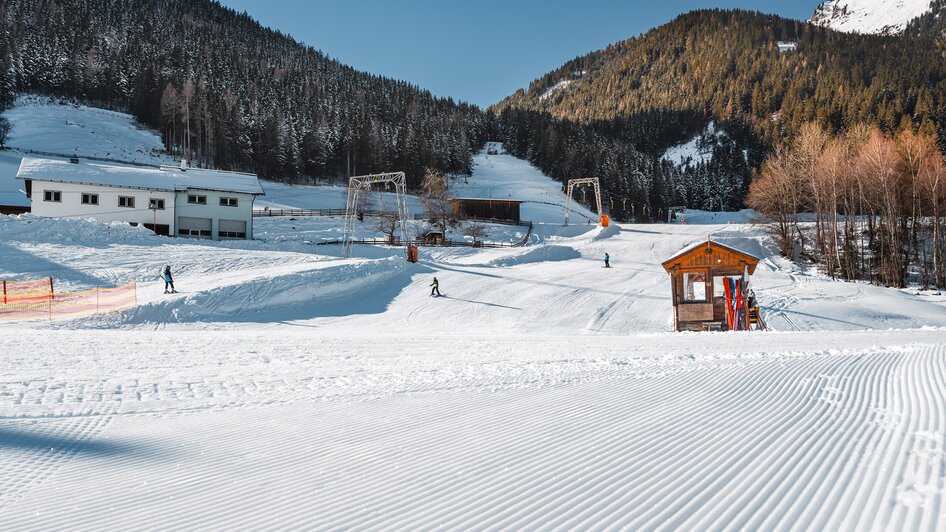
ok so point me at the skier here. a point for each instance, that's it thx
(436, 287)
(607, 260)
(168, 280)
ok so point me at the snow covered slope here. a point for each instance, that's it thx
(502, 176)
(56, 126)
(288, 387)
(697, 150)
(869, 16)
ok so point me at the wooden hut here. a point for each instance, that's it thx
(13, 209)
(486, 208)
(698, 278)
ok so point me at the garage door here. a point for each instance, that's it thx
(231, 229)
(195, 227)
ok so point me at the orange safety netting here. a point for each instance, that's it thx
(30, 300)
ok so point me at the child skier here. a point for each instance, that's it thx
(168, 280)
(436, 287)
(607, 259)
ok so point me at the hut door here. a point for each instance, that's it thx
(719, 297)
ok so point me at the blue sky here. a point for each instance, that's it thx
(480, 51)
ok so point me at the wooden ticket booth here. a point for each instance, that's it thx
(698, 277)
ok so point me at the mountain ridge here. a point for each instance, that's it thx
(886, 17)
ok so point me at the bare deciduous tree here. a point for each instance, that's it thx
(878, 202)
(387, 223)
(436, 199)
(774, 194)
(475, 231)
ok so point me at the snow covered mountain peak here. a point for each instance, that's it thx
(869, 16)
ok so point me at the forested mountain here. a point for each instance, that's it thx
(931, 23)
(727, 64)
(651, 92)
(228, 92)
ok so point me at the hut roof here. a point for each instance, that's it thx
(701, 249)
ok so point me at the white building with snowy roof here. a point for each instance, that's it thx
(190, 202)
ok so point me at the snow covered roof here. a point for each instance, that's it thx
(751, 260)
(167, 178)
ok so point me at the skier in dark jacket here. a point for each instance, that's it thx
(436, 287)
(168, 280)
(607, 260)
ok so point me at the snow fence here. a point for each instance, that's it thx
(37, 299)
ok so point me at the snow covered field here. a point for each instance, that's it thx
(289, 387)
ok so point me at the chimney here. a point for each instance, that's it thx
(183, 165)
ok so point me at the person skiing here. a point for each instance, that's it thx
(168, 280)
(607, 260)
(436, 287)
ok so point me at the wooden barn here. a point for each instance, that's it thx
(13, 209)
(486, 208)
(698, 277)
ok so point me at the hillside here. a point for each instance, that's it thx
(727, 64)
(225, 91)
(650, 93)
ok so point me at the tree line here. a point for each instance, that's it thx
(863, 204)
(638, 183)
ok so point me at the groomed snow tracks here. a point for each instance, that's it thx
(696, 432)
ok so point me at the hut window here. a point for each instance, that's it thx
(694, 286)
(719, 286)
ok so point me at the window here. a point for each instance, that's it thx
(228, 202)
(126, 201)
(156, 204)
(196, 200)
(231, 234)
(90, 199)
(694, 286)
(52, 195)
(193, 232)
(719, 285)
